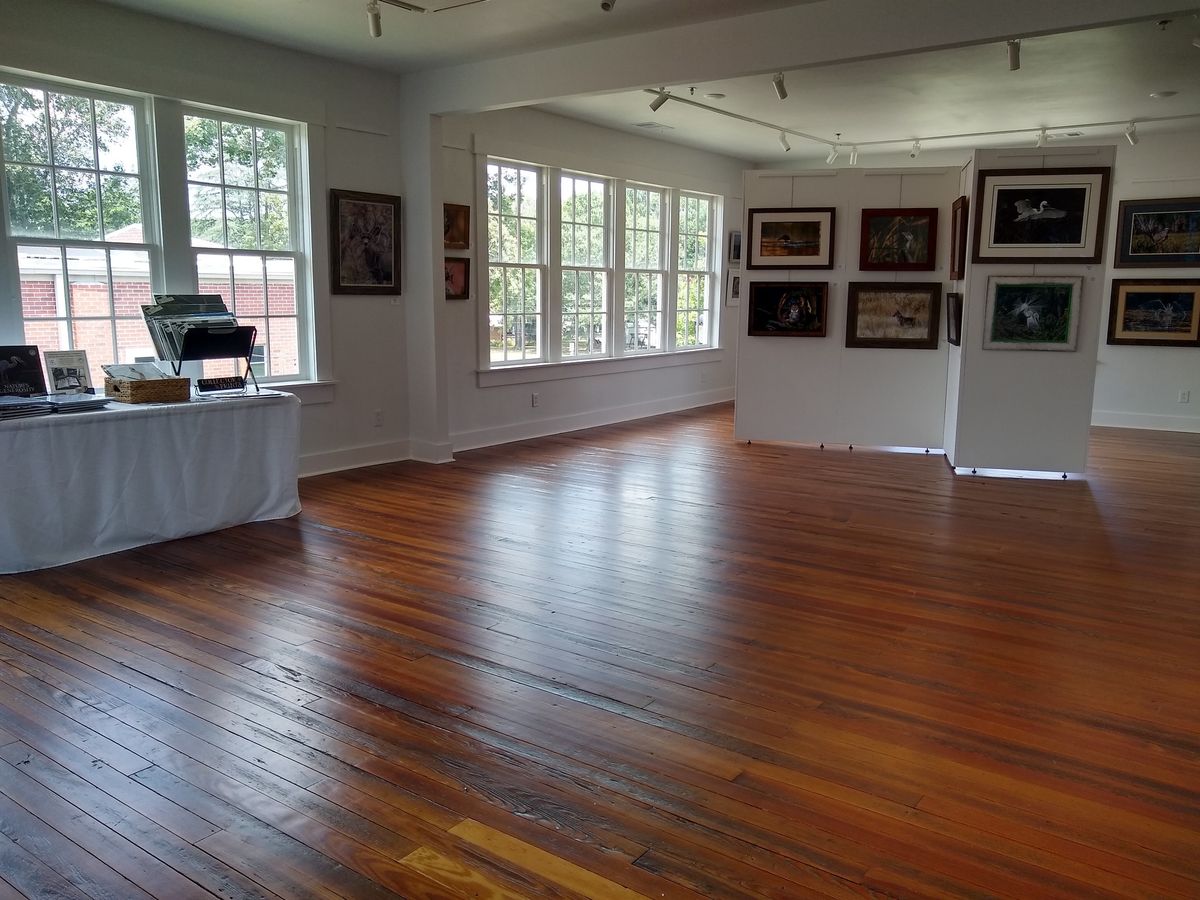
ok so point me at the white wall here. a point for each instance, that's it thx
(481, 415)
(817, 389)
(1138, 387)
(354, 143)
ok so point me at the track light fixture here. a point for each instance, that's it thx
(1014, 55)
(780, 87)
(783, 142)
(1131, 134)
(657, 103)
(915, 151)
(607, 5)
(1041, 138)
(374, 20)
(833, 155)
(854, 156)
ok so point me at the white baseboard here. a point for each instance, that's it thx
(431, 452)
(521, 431)
(1113, 419)
(354, 458)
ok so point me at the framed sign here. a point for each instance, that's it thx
(1032, 312)
(791, 238)
(1163, 233)
(1155, 312)
(1040, 215)
(893, 314)
(364, 243)
(898, 240)
(788, 308)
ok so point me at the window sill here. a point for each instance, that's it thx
(311, 393)
(530, 374)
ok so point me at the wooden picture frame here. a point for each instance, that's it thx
(1040, 215)
(1163, 233)
(896, 315)
(1032, 312)
(800, 238)
(364, 243)
(788, 308)
(898, 240)
(458, 277)
(954, 317)
(456, 226)
(958, 237)
(1155, 312)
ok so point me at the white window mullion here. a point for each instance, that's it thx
(178, 262)
(671, 288)
(616, 260)
(552, 239)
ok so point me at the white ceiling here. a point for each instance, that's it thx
(1104, 75)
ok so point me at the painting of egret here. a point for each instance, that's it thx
(1158, 312)
(1032, 312)
(1040, 215)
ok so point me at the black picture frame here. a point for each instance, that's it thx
(898, 240)
(456, 226)
(954, 316)
(458, 277)
(912, 325)
(791, 238)
(958, 237)
(364, 243)
(1158, 233)
(1155, 312)
(788, 309)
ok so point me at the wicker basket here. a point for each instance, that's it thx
(160, 390)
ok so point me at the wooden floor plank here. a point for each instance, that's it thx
(642, 660)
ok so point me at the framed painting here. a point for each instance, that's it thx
(893, 314)
(364, 243)
(1040, 215)
(898, 240)
(1164, 233)
(1032, 312)
(954, 313)
(458, 277)
(958, 238)
(734, 257)
(733, 288)
(791, 238)
(793, 308)
(456, 226)
(1155, 312)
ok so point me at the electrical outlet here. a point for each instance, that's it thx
(534, 399)
(377, 418)
(1185, 396)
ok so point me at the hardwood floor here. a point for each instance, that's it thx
(639, 661)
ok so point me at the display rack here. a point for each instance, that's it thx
(219, 342)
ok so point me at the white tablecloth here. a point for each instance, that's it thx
(78, 485)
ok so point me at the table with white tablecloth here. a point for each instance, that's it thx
(78, 485)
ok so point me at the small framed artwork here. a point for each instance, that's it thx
(733, 288)
(458, 277)
(456, 225)
(1032, 312)
(1155, 312)
(364, 243)
(958, 238)
(893, 314)
(1164, 233)
(68, 371)
(954, 311)
(21, 372)
(1040, 215)
(791, 238)
(734, 257)
(793, 308)
(898, 240)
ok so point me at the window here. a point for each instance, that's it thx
(79, 207)
(663, 272)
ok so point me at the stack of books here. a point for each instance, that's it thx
(23, 407)
(69, 403)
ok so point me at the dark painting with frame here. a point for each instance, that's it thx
(458, 277)
(893, 314)
(954, 313)
(795, 308)
(1162, 233)
(958, 238)
(1155, 312)
(456, 226)
(364, 243)
(898, 240)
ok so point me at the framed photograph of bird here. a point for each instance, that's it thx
(1162, 233)
(898, 240)
(1155, 312)
(1040, 215)
(1032, 312)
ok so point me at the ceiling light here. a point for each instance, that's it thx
(1014, 55)
(1131, 134)
(915, 151)
(780, 87)
(854, 156)
(374, 20)
(607, 5)
(833, 155)
(783, 142)
(1196, 42)
(1162, 95)
(715, 95)
(657, 102)
(1041, 138)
